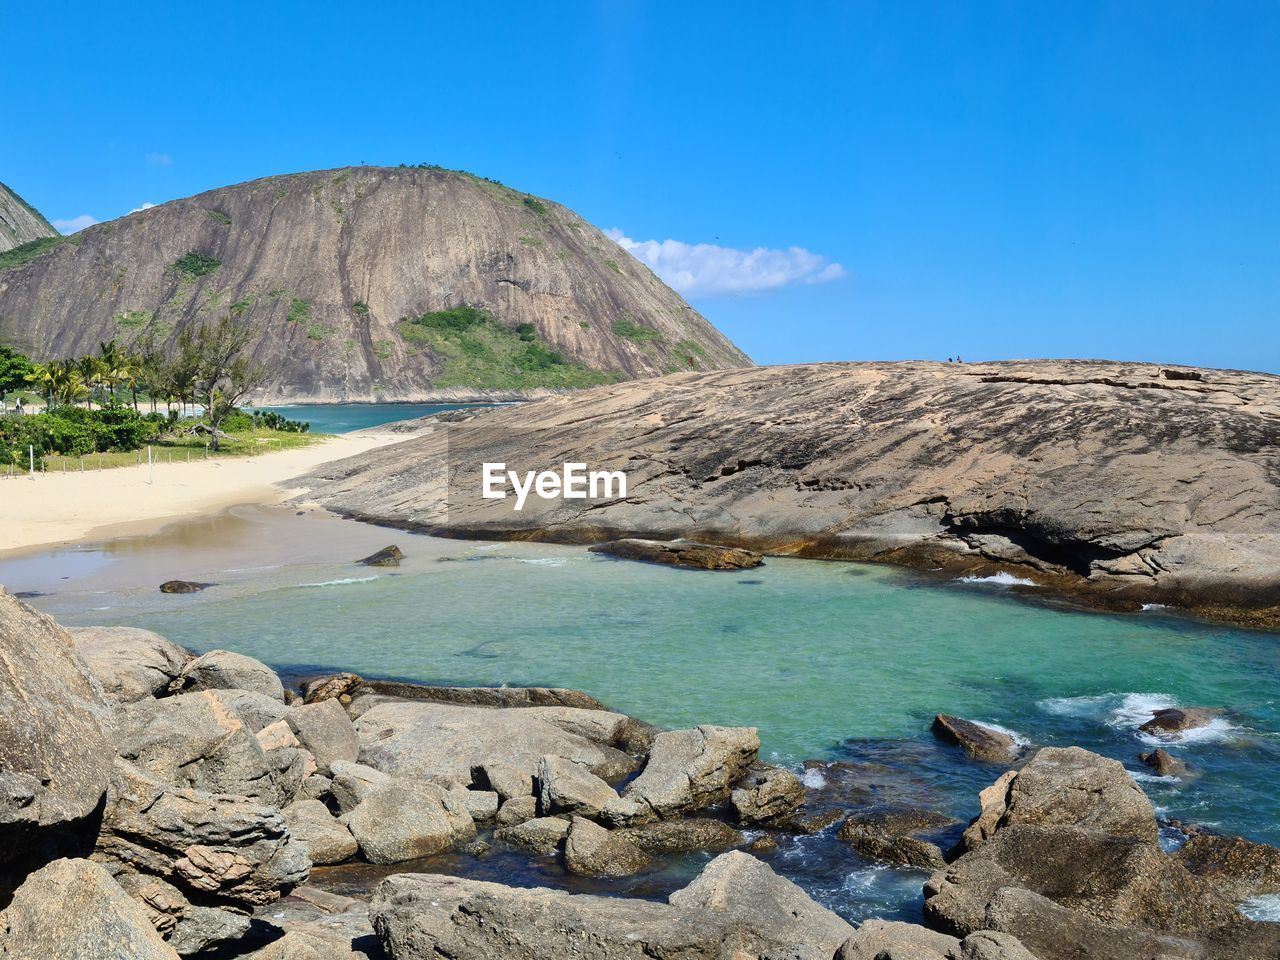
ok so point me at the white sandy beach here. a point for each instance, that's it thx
(57, 508)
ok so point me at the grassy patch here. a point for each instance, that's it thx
(318, 331)
(613, 265)
(197, 264)
(188, 449)
(634, 331)
(360, 308)
(476, 350)
(299, 311)
(217, 216)
(531, 241)
(133, 318)
(30, 250)
(535, 206)
(689, 347)
(384, 349)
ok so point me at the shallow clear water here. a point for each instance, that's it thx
(828, 660)
(345, 417)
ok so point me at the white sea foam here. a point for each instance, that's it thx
(1265, 907)
(543, 561)
(339, 583)
(1142, 777)
(1155, 606)
(1126, 712)
(813, 779)
(1000, 579)
(1019, 740)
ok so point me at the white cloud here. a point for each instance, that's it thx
(147, 205)
(159, 160)
(75, 224)
(708, 270)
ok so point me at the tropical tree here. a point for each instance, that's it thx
(44, 376)
(14, 368)
(224, 372)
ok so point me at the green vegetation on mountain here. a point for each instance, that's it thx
(32, 249)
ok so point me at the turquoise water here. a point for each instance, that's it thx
(345, 417)
(829, 660)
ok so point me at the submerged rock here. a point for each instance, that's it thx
(878, 839)
(979, 742)
(1171, 723)
(1163, 764)
(184, 586)
(669, 837)
(130, 663)
(386, 557)
(681, 553)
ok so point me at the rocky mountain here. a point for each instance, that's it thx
(369, 283)
(20, 222)
(1126, 483)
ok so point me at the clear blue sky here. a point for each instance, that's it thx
(994, 180)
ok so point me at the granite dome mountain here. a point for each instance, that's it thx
(20, 223)
(367, 283)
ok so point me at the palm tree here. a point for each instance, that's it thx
(44, 376)
(91, 372)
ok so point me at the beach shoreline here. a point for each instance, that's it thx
(55, 509)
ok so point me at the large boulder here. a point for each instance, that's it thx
(129, 662)
(218, 849)
(326, 731)
(732, 911)
(766, 793)
(351, 782)
(681, 553)
(257, 710)
(55, 740)
(1066, 787)
(979, 742)
(404, 820)
(894, 940)
(1239, 867)
(538, 837)
(566, 787)
(592, 851)
(225, 670)
(688, 770)
(738, 886)
(445, 742)
(328, 840)
(667, 837)
(1171, 723)
(73, 910)
(193, 740)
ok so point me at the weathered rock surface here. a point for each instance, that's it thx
(1163, 764)
(327, 839)
(55, 738)
(352, 782)
(257, 710)
(567, 787)
(20, 222)
(732, 910)
(505, 780)
(403, 820)
(333, 687)
(894, 940)
(516, 810)
(225, 670)
(874, 841)
(979, 742)
(386, 557)
(592, 851)
(1172, 722)
(130, 663)
(325, 729)
(1239, 867)
(1111, 480)
(765, 793)
(539, 836)
(681, 553)
(682, 836)
(359, 248)
(73, 910)
(184, 586)
(482, 805)
(1066, 787)
(444, 742)
(688, 770)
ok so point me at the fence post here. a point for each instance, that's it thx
(31, 452)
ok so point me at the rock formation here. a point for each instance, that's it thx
(20, 223)
(330, 265)
(1115, 481)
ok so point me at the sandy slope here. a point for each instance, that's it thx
(56, 507)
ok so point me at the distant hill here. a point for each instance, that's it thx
(20, 222)
(368, 283)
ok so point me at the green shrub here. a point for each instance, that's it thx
(360, 308)
(459, 318)
(197, 264)
(133, 318)
(634, 331)
(535, 206)
(217, 216)
(31, 249)
(526, 332)
(299, 311)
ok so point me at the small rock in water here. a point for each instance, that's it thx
(386, 557)
(979, 742)
(681, 553)
(1162, 763)
(184, 586)
(335, 687)
(1169, 723)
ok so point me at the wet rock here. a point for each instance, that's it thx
(404, 820)
(191, 740)
(762, 844)
(505, 780)
(540, 836)
(73, 910)
(516, 811)
(487, 696)
(1239, 867)
(129, 663)
(351, 782)
(893, 940)
(1066, 787)
(386, 557)
(873, 841)
(667, 837)
(681, 553)
(327, 839)
(738, 885)
(566, 787)
(1163, 764)
(592, 851)
(443, 742)
(1171, 723)
(979, 742)
(55, 740)
(688, 770)
(766, 793)
(325, 729)
(184, 586)
(335, 687)
(809, 823)
(225, 670)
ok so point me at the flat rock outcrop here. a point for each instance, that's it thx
(979, 742)
(1115, 481)
(691, 769)
(681, 553)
